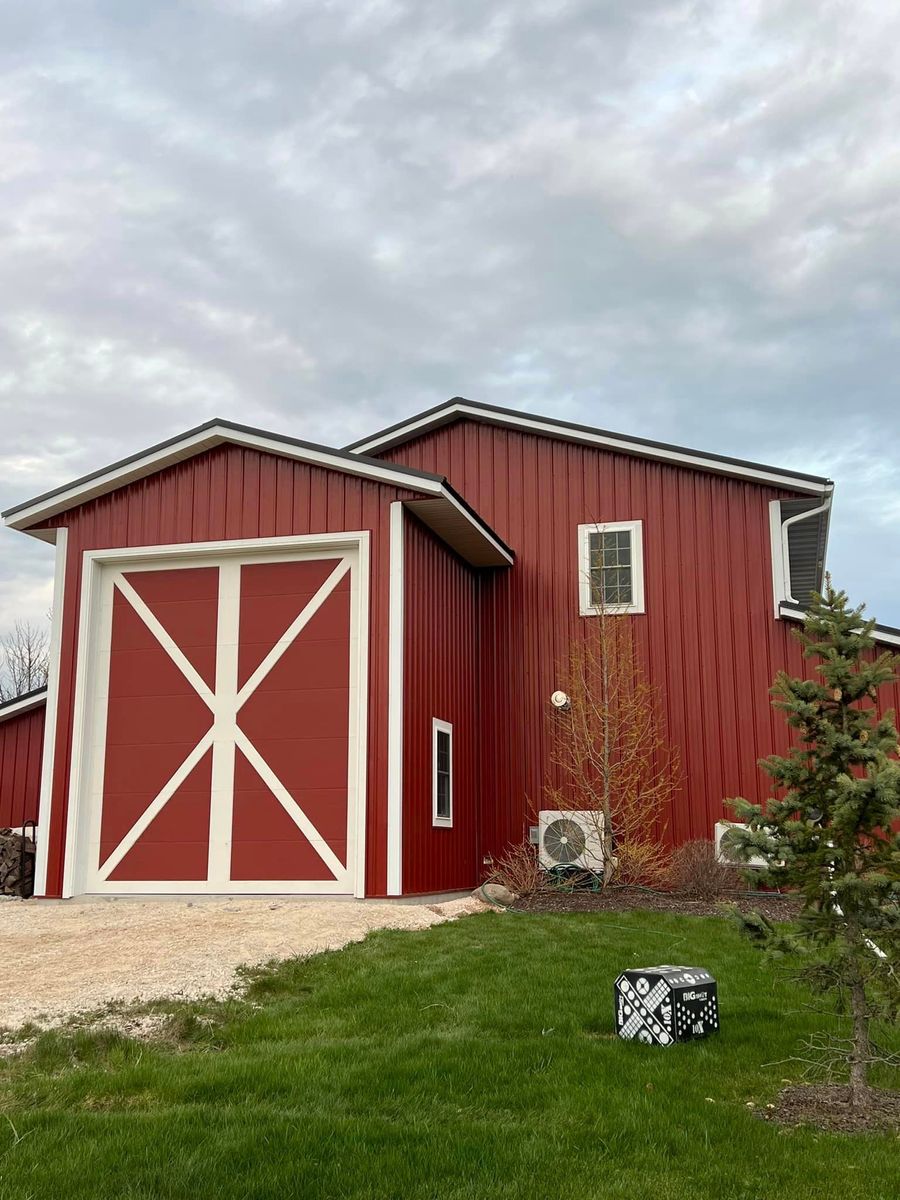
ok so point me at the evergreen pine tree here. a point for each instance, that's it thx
(831, 837)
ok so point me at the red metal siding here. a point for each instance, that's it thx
(440, 680)
(709, 639)
(21, 746)
(228, 493)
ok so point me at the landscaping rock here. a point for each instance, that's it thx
(495, 893)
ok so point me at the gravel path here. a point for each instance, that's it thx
(76, 955)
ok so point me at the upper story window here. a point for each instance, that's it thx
(442, 772)
(611, 568)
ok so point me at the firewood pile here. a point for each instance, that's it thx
(12, 862)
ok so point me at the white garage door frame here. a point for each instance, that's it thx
(90, 703)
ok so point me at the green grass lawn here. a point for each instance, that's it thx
(475, 1059)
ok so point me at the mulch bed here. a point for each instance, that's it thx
(827, 1106)
(625, 899)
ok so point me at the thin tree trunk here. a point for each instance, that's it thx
(860, 1053)
(607, 837)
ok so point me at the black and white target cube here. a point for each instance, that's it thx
(662, 1005)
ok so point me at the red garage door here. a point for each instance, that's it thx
(227, 736)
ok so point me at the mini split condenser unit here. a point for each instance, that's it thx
(570, 839)
(724, 855)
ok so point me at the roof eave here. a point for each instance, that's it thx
(885, 635)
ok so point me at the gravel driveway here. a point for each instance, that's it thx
(70, 956)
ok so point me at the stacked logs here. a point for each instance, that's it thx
(16, 864)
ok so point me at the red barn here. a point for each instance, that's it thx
(283, 668)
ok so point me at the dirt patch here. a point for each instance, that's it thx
(75, 956)
(827, 1106)
(625, 899)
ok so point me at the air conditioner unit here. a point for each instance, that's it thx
(723, 828)
(570, 839)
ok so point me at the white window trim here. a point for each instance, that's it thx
(636, 529)
(436, 728)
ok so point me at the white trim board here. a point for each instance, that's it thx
(48, 759)
(395, 703)
(103, 573)
(576, 433)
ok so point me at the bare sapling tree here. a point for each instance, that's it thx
(611, 753)
(24, 659)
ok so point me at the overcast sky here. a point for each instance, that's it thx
(675, 220)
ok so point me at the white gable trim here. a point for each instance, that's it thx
(195, 443)
(217, 434)
(574, 433)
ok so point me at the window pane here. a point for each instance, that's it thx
(442, 774)
(443, 795)
(443, 750)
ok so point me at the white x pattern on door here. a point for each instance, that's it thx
(225, 734)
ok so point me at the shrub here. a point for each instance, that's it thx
(697, 871)
(519, 870)
(643, 864)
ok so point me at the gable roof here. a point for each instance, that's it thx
(444, 511)
(458, 408)
(23, 704)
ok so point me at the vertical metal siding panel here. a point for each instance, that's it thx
(21, 743)
(711, 642)
(440, 680)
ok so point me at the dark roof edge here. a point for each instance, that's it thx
(37, 695)
(478, 518)
(491, 410)
(215, 423)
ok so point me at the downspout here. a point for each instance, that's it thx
(824, 507)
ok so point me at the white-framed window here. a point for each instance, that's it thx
(442, 772)
(611, 568)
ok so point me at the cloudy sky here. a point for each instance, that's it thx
(677, 220)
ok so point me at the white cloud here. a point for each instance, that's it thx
(674, 217)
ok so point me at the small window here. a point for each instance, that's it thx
(442, 770)
(611, 564)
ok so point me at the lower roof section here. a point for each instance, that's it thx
(446, 513)
(884, 635)
(19, 705)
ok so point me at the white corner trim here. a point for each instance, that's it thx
(395, 704)
(777, 546)
(48, 758)
(625, 445)
(437, 727)
(585, 607)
